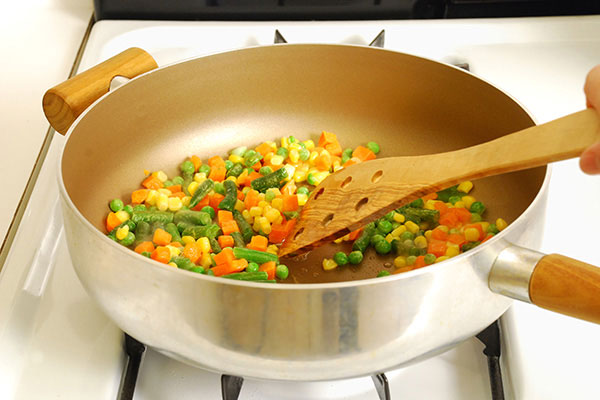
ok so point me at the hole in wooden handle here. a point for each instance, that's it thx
(346, 182)
(361, 203)
(319, 193)
(298, 233)
(377, 176)
(327, 219)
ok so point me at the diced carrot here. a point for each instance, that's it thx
(257, 165)
(152, 182)
(181, 195)
(290, 202)
(161, 254)
(351, 161)
(430, 196)
(161, 237)
(253, 175)
(280, 231)
(449, 219)
(216, 161)
(439, 234)
(269, 267)
(112, 221)
(488, 237)
(215, 200)
(437, 248)
(233, 266)
(192, 251)
(196, 161)
(323, 162)
(355, 234)
(363, 153)
(224, 257)
(138, 196)
(224, 216)
(218, 173)
(175, 244)
(327, 137)
(456, 238)
(404, 269)
(144, 246)
(241, 180)
(202, 203)
(479, 228)
(463, 214)
(251, 199)
(258, 242)
(225, 241)
(334, 148)
(240, 195)
(289, 188)
(264, 149)
(174, 188)
(441, 207)
(228, 227)
(419, 263)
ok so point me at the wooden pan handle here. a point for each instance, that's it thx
(64, 102)
(567, 286)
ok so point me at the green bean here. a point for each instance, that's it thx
(204, 169)
(182, 226)
(236, 170)
(171, 228)
(128, 240)
(214, 245)
(152, 216)
(219, 188)
(183, 263)
(201, 191)
(209, 210)
(245, 228)
(238, 239)
(187, 167)
(194, 231)
(363, 241)
(252, 157)
(248, 276)
(143, 232)
(268, 181)
(230, 196)
(192, 217)
(259, 257)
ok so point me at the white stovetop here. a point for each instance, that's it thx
(55, 343)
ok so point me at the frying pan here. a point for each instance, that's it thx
(350, 325)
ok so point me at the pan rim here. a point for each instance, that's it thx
(298, 286)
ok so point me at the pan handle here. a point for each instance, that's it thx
(554, 282)
(64, 102)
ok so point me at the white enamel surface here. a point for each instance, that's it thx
(59, 345)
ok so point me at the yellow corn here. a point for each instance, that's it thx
(161, 176)
(465, 186)
(389, 237)
(122, 215)
(186, 200)
(277, 160)
(236, 159)
(239, 205)
(162, 202)
(452, 250)
(205, 259)
(302, 199)
(247, 216)
(424, 225)
(275, 191)
(411, 227)
(329, 264)
(271, 214)
(200, 177)
(203, 245)
(420, 242)
(460, 204)
(338, 241)
(430, 205)
(192, 187)
(440, 259)
(151, 198)
(146, 172)
(122, 232)
(268, 157)
(279, 219)
(164, 191)
(399, 218)
(246, 189)
(312, 157)
(285, 142)
(175, 204)
(264, 225)
(484, 225)
(468, 200)
(262, 203)
(175, 251)
(300, 176)
(277, 203)
(272, 144)
(310, 145)
(320, 177)
(256, 211)
(232, 179)
(428, 234)
(261, 196)
(398, 231)
(443, 228)
(273, 249)
(501, 224)
(172, 264)
(400, 262)
(471, 234)
(188, 239)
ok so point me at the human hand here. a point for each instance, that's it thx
(590, 158)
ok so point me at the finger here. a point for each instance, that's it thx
(592, 88)
(590, 160)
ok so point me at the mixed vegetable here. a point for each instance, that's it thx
(227, 217)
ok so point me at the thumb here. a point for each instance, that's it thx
(590, 160)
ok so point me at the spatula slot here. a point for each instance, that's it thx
(361, 203)
(319, 193)
(327, 219)
(376, 176)
(346, 182)
(298, 233)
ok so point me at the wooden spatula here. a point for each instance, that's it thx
(361, 193)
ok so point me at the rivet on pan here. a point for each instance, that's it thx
(319, 193)
(327, 219)
(346, 182)
(298, 233)
(361, 203)
(377, 176)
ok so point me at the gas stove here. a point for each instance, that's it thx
(56, 343)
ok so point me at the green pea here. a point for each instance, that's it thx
(340, 258)
(199, 270)
(355, 257)
(302, 190)
(168, 183)
(178, 180)
(219, 188)
(468, 246)
(304, 154)
(374, 147)
(411, 260)
(210, 272)
(187, 167)
(116, 205)
(139, 207)
(228, 165)
(376, 238)
(418, 203)
(475, 217)
(265, 170)
(383, 247)
(283, 152)
(477, 207)
(146, 254)
(282, 271)
(239, 151)
(390, 216)
(384, 227)
(128, 240)
(345, 158)
(204, 168)
(493, 229)
(429, 258)
(128, 208)
(209, 210)
(252, 267)
(454, 199)
(269, 196)
(292, 139)
(383, 273)
(311, 179)
(406, 235)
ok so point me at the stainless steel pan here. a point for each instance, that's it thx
(307, 331)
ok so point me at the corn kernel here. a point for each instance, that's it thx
(247, 216)
(411, 227)
(151, 198)
(186, 200)
(236, 159)
(501, 224)
(239, 205)
(400, 262)
(338, 241)
(443, 228)
(389, 237)
(465, 186)
(452, 250)
(302, 199)
(192, 187)
(172, 264)
(399, 218)
(262, 204)
(468, 200)
(460, 204)
(310, 145)
(203, 244)
(279, 219)
(246, 189)
(471, 234)
(161, 176)
(312, 157)
(277, 203)
(428, 234)
(336, 164)
(430, 205)
(162, 202)
(256, 211)
(320, 177)
(205, 260)
(264, 225)
(285, 142)
(188, 239)
(272, 144)
(122, 232)
(277, 160)
(261, 196)
(335, 169)
(232, 179)
(329, 264)
(122, 215)
(420, 242)
(268, 157)
(398, 231)
(424, 225)
(200, 177)
(271, 214)
(294, 156)
(484, 225)
(273, 249)
(175, 204)
(300, 176)
(440, 259)
(175, 251)
(165, 191)
(294, 146)
(146, 172)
